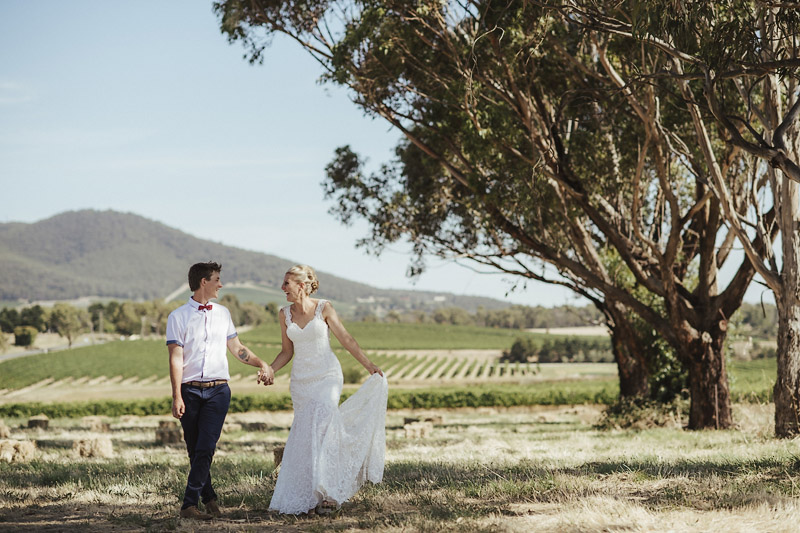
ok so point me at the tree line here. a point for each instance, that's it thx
(622, 150)
(124, 318)
(512, 317)
(150, 319)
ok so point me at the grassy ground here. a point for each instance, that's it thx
(534, 469)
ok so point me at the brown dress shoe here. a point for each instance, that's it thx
(193, 513)
(213, 509)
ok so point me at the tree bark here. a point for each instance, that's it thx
(708, 381)
(787, 385)
(628, 353)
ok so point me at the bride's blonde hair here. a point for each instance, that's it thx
(305, 275)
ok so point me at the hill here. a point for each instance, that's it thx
(122, 255)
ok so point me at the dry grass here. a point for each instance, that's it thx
(531, 469)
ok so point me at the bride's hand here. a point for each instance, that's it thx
(266, 375)
(373, 369)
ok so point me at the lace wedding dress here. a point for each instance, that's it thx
(332, 449)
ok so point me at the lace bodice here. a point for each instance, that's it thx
(313, 357)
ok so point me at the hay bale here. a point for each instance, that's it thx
(418, 430)
(38, 422)
(94, 447)
(17, 451)
(4, 431)
(255, 426)
(229, 427)
(96, 424)
(168, 432)
(277, 455)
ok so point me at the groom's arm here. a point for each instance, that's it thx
(175, 377)
(246, 356)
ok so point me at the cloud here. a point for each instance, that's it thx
(12, 93)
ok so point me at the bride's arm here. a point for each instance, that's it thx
(287, 347)
(347, 340)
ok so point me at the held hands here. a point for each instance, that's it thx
(266, 375)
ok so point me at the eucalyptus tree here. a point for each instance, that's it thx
(736, 65)
(526, 149)
(69, 321)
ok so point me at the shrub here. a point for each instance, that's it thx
(25, 335)
(564, 393)
(638, 413)
(352, 375)
(559, 349)
(523, 349)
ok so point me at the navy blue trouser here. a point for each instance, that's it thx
(202, 424)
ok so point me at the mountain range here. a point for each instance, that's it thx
(109, 254)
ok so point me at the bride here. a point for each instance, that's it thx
(332, 449)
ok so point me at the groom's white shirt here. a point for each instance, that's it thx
(204, 336)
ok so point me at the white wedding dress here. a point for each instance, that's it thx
(332, 449)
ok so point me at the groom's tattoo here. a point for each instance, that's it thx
(243, 355)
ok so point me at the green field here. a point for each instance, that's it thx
(146, 358)
(143, 359)
(750, 381)
(383, 336)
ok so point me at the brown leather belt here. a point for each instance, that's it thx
(206, 384)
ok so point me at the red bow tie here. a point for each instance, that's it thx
(204, 307)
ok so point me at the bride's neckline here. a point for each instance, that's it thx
(313, 317)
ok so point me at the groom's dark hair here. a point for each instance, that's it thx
(200, 271)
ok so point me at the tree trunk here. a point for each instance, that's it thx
(708, 381)
(628, 353)
(787, 385)
(787, 298)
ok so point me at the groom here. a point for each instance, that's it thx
(198, 334)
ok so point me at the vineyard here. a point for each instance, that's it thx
(413, 356)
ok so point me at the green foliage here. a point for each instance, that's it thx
(34, 316)
(565, 393)
(559, 350)
(353, 374)
(9, 319)
(756, 320)
(68, 321)
(562, 393)
(25, 335)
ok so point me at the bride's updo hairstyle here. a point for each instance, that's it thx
(305, 275)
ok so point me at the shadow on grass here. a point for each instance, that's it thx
(412, 491)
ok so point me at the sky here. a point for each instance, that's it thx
(144, 107)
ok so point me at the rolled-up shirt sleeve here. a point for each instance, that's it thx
(176, 332)
(231, 328)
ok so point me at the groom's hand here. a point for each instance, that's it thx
(178, 408)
